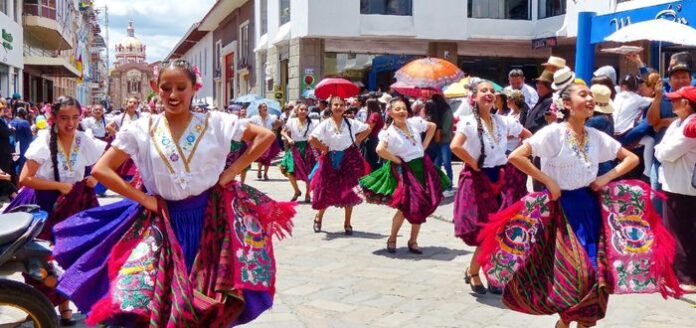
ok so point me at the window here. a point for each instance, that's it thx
(386, 7)
(218, 59)
(3, 7)
(264, 16)
(501, 9)
(550, 8)
(284, 11)
(244, 44)
(205, 61)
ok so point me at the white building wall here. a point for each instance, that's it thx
(12, 60)
(201, 55)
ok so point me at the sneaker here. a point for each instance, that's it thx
(448, 193)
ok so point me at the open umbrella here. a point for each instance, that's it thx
(336, 86)
(428, 73)
(415, 92)
(248, 98)
(273, 107)
(661, 30)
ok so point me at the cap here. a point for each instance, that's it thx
(680, 61)
(608, 71)
(688, 93)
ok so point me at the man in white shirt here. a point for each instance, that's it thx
(516, 79)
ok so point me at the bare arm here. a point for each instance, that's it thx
(285, 133)
(28, 178)
(362, 136)
(384, 153)
(520, 159)
(628, 159)
(653, 114)
(316, 143)
(429, 134)
(457, 147)
(260, 139)
(105, 172)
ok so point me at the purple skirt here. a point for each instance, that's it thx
(44, 198)
(334, 181)
(270, 154)
(477, 197)
(85, 240)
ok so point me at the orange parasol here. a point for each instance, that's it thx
(429, 73)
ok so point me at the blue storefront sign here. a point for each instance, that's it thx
(386, 63)
(679, 11)
(593, 29)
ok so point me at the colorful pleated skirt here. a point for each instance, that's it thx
(298, 161)
(566, 257)
(269, 154)
(237, 149)
(336, 175)
(203, 261)
(415, 188)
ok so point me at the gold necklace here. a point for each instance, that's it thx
(337, 130)
(407, 133)
(491, 129)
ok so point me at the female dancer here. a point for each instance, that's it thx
(97, 123)
(128, 169)
(340, 164)
(559, 234)
(191, 252)
(299, 159)
(271, 122)
(414, 185)
(481, 142)
(376, 123)
(54, 177)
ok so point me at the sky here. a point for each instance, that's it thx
(159, 24)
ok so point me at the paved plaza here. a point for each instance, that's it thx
(328, 279)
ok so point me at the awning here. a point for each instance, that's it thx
(55, 66)
(283, 34)
(263, 43)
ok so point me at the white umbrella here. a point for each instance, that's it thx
(661, 30)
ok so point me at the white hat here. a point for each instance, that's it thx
(554, 61)
(562, 78)
(602, 98)
(385, 98)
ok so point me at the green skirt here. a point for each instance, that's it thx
(382, 182)
(287, 163)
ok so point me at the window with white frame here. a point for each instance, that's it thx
(550, 8)
(284, 11)
(386, 7)
(501, 9)
(218, 59)
(244, 44)
(264, 16)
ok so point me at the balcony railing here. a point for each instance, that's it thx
(40, 10)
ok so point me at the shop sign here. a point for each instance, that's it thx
(309, 79)
(683, 12)
(11, 45)
(549, 42)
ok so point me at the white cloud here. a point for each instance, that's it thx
(166, 22)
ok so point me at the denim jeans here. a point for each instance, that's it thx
(636, 133)
(444, 158)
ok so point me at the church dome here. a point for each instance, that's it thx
(130, 45)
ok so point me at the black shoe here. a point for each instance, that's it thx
(316, 226)
(495, 290)
(349, 230)
(67, 322)
(413, 248)
(391, 246)
(478, 289)
(296, 196)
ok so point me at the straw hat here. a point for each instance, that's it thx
(546, 76)
(556, 62)
(385, 98)
(562, 78)
(602, 99)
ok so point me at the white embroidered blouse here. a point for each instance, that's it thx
(338, 138)
(572, 166)
(405, 146)
(299, 132)
(124, 119)
(98, 127)
(266, 123)
(84, 152)
(178, 170)
(495, 143)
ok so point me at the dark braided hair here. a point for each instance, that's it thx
(309, 120)
(61, 102)
(479, 125)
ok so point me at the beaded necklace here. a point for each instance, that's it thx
(407, 133)
(580, 149)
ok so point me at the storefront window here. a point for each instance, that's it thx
(284, 11)
(501, 9)
(550, 8)
(386, 7)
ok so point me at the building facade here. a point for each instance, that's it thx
(11, 59)
(196, 47)
(131, 74)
